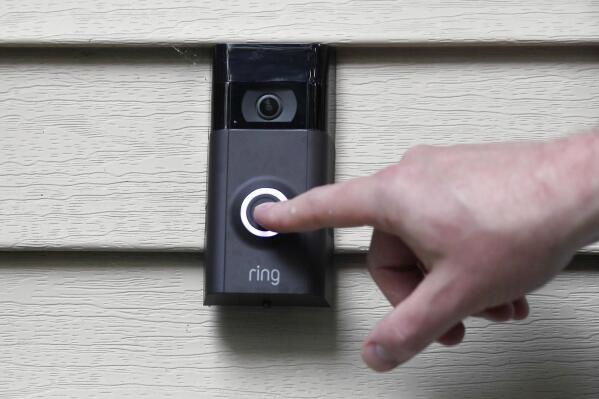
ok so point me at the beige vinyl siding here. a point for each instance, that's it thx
(107, 148)
(379, 23)
(115, 325)
(104, 123)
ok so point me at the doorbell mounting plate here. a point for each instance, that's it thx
(272, 138)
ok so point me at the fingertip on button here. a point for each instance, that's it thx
(261, 209)
(259, 198)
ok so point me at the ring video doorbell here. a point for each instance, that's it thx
(271, 140)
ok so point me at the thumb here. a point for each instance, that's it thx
(439, 302)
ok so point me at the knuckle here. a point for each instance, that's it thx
(388, 183)
(281, 221)
(286, 216)
(312, 211)
(408, 337)
(387, 178)
(389, 172)
(418, 152)
(459, 295)
(418, 159)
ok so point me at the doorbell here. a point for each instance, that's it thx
(271, 139)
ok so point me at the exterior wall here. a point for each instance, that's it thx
(104, 120)
(386, 22)
(107, 148)
(132, 325)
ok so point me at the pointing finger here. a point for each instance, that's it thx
(352, 203)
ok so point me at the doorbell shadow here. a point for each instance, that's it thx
(278, 332)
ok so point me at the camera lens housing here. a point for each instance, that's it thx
(269, 106)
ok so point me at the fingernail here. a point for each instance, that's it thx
(378, 359)
(383, 355)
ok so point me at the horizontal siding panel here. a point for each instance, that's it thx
(110, 325)
(386, 22)
(107, 148)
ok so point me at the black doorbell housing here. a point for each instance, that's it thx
(271, 140)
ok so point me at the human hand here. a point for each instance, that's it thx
(458, 231)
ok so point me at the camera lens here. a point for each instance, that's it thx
(269, 106)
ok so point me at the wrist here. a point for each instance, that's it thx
(574, 172)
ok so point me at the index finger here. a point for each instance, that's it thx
(352, 203)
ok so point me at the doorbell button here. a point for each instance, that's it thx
(253, 204)
(253, 199)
